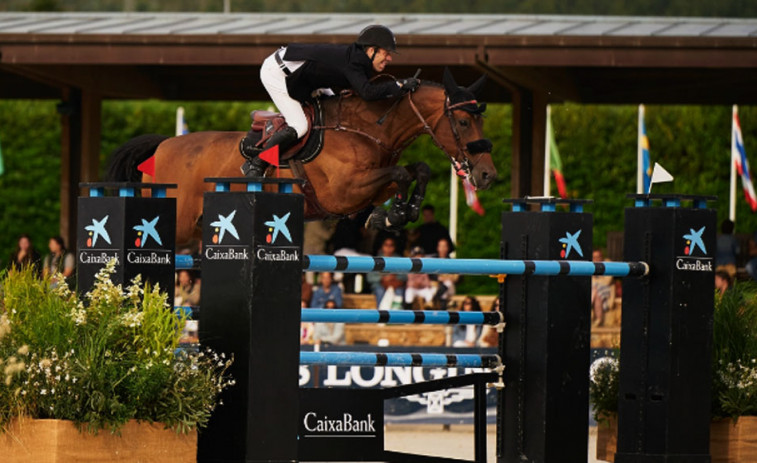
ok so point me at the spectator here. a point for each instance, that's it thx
(602, 292)
(326, 291)
(722, 281)
(25, 254)
(447, 281)
(418, 285)
(306, 328)
(329, 333)
(315, 240)
(751, 266)
(489, 334)
(381, 282)
(727, 249)
(431, 231)
(306, 291)
(346, 242)
(187, 291)
(59, 261)
(467, 335)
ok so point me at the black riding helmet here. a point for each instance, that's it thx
(377, 36)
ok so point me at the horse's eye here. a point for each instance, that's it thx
(464, 123)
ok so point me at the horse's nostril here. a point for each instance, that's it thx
(485, 175)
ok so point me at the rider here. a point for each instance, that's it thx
(295, 73)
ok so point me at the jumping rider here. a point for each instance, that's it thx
(296, 73)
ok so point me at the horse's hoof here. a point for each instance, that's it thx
(377, 220)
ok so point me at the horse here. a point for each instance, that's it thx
(356, 168)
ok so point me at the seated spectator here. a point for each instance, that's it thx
(381, 282)
(59, 262)
(431, 231)
(418, 285)
(187, 291)
(727, 249)
(447, 281)
(25, 254)
(329, 333)
(602, 292)
(467, 335)
(489, 334)
(306, 328)
(722, 281)
(306, 290)
(326, 291)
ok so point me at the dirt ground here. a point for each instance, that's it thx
(457, 442)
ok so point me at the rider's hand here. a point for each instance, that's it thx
(410, 84)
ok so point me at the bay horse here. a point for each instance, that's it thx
(357, 166)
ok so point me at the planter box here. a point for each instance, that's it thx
(730, 442)
(58, 441)
(734, 442)
(607, 439)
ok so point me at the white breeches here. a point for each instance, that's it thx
(274, 81)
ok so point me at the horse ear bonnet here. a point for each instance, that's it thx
(457, 94)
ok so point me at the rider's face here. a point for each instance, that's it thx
(381, 59)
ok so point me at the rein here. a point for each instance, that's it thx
(462, 168)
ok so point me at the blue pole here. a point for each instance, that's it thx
(361, 264)
(426, 317)
(396, 359)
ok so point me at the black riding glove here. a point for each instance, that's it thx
(410, 84)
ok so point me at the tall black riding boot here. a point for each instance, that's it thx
(285, 138)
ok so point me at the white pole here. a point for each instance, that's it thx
(640, 154)
(453, 187)
(547, 148)
(732, 195)
(179, 121)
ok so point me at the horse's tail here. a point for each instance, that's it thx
(125, 159)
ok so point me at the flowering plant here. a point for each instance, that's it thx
(102, 363)
(734, 368)
(734, 360)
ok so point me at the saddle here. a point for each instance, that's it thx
(266, 123)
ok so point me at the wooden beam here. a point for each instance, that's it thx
(110, 81)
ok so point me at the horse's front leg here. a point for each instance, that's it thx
(396, 216)
(422, 173)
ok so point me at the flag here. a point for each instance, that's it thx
(181, 126)
(148, 166)
(646, 165)
(738, 154)
(271, 156)
(2, 166)
(554, 160)
(659, 175)
(471, 198)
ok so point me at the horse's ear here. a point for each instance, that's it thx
(449, 82)
(475, 88)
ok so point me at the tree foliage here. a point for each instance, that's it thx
(597, 145)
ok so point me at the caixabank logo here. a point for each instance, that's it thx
(570, 247)
(224, 241)
(98, 247)
(694, 258)
(279, 245)
(148, 246)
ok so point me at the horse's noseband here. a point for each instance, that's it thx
(483, 145)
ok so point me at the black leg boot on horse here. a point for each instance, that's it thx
(254, 166)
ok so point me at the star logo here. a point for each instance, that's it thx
(570, 243)
(276, 226)
(694, 240)
(147, 230)
(96, 230)
(223, 225)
